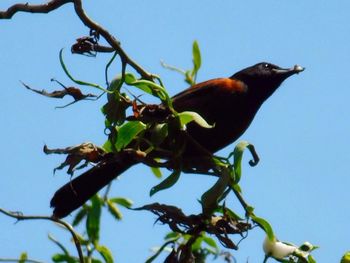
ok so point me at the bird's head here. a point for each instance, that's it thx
(264, 78)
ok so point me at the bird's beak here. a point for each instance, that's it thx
(289, 71)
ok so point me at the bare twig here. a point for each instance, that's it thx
(20, 217)
(109, 38)
(103, 49)
(42, 8)
(54, 4)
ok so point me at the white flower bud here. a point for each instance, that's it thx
(277, 249)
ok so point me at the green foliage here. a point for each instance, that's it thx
(127, 132)
(105, 253)
(93, 219)
(189, 116)
(149, 87)
(114, 210)
(211, 197)
(265, 225)
(63, 258)
(238, 155)
(116, 106)
(23, 257)
(82, 213)
(156, 171)
(345, 258)
(125, 202)
(92, 213)
(203, 247)
(197, 60)
(166, 183)
(124, 132)
(79, 82)
(193, 237)
(190, 75)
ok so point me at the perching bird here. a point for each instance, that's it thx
(229, 103)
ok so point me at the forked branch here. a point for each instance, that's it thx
(78, 7)
(19, 216)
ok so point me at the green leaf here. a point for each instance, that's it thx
(158, 133)
(238, 155)
(23, 257)
(82, 240)
(197, 244)
(310, 259)
(210, 198)
(156, 171)
(148, 87)
(197, 61)
(346, 258)
(211, 243)
(79, 217)
(113, 209)
(108, 146)
(127, 132)
(63, 258)
(122, 201)
(167, 182)
(115, 83)
(188, 77)
(265, 225)
(105, 253)
(172, 236)
(59, 244)
(130, 78)
(150, 259)
(79, 82)
(189, 116)
(93, 219)
(115, 108)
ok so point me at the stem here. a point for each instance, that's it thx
(78, 7)
(20, 217)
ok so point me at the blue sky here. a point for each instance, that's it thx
(301, 132)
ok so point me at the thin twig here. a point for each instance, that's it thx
(55, 4)
(109, 38)
(108, 188)
(103, 49)
(20, 217)
(245, 206)
(42, 8)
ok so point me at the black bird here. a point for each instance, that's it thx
(230, 103)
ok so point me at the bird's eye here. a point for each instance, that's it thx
(267, 66)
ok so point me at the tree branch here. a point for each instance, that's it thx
(42, 8)
(20, 217)
(110, 39)
(54, 4)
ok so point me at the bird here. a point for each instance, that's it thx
(229, 103)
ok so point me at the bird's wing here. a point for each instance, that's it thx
(208, 90)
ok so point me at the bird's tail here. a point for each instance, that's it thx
(75, 193)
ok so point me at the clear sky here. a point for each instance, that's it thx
(301, 133)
